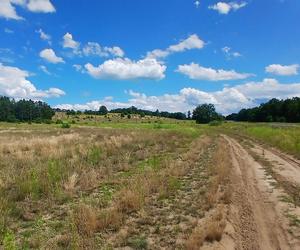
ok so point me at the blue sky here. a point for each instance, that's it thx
(166, 55)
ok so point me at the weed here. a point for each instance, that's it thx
(139, 243)
(94, 155)
(85, 219)
(128, 201)
(65, 125)
(9, 242)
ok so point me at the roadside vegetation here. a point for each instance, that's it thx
(285, 137)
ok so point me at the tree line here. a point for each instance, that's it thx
(130, 111)
(274, 110)
(24, 110)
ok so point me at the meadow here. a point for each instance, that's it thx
(109, 184)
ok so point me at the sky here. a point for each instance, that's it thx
(166, 55)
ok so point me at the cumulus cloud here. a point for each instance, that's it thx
(225, 8)
(124, 69)
(95, 49)
(192, 42)
(50, 56)
(283, 70)
(44, 6)
(14, 83)
(8, 11)
(197, 72)
(227, 100)
(69, 42)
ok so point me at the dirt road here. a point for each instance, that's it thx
(261, 218)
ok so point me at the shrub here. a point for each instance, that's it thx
(65, 125)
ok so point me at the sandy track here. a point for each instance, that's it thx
(284, 165)
(256, 213)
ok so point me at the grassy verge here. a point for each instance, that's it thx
(283, 137)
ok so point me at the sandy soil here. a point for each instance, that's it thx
(285, 165)
(257, 213)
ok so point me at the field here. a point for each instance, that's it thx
(110, 183)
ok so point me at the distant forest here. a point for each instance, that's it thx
(36, 111)
(24, 110)
(273, 111)
(130, 111)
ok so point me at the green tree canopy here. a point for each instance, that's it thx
(205, 113)
(103, 110)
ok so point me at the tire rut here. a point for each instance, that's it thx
(257, 218)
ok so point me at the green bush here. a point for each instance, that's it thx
(59, 121)
(65, 125)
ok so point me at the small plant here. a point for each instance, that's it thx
(94, 155)
(65, 125)
(9, 242)
(139, 242)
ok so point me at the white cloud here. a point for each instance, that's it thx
(229, 53)
(192, 42)
(283, 70)
(44, 69)
(225, 8)
(8, 11)
(227, 100)
(44, 36)
(95, 49)
(269, 88)
(197, 72)
(115, 51)
(124, 69)
(50, 56)
(14, 83)
(69, 42)
(44, 6)
(197, 4)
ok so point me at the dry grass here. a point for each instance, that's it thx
(128, 201)
(209, 229)
(109, 219)
(218, 195)
(85, 219)
(45, 173)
